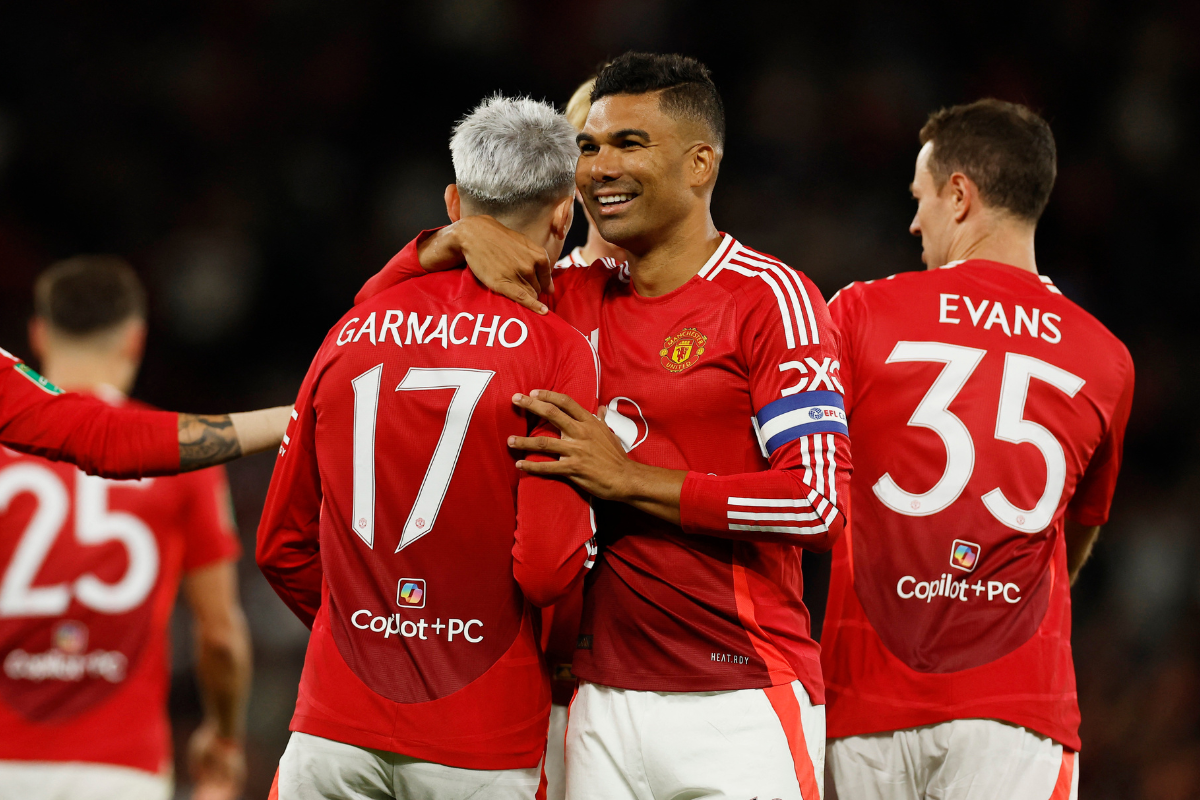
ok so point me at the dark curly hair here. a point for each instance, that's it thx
(688, 91)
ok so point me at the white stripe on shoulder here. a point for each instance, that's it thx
(787, 276)
(733, 266)
(1049, 284)
(796, 288)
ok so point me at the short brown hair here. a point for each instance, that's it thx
(85, 295)
(1005, 148)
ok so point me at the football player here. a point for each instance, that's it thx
(988, 413)
(397, 525)
(89, 571)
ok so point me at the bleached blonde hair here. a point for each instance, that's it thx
(581, 103)
(513, 151)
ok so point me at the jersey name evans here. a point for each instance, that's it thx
(510, 333)
(1022, 321)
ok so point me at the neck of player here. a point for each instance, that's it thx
(995, 237)
(661, 266)
(84, 370)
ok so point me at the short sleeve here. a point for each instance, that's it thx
(1093, 496)
(210, 533)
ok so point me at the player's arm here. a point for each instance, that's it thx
(223, 665)
(1090, 504)
(209, 440)
(800, 500)
(119, 443)
(505, 261)
(288, 544)
(555, 537)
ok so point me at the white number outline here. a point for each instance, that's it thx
(1011, 426)
(18, 596)
(94, 525)
(469, 386)
(933, 413)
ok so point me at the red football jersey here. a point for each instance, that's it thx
(396, 487)
(38, 418)
(985, 407)
(89, 570)
(733, 376)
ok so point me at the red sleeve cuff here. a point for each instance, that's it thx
(404, 265)
(702, 505)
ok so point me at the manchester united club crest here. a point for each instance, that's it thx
(682, 350)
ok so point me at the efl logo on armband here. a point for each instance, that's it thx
(801, 414)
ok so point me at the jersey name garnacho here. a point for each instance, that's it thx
(399, 529)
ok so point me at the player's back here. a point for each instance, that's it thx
(89, 570)
(984, 407)
(420, 536)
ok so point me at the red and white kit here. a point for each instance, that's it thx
(399, 528)
(735, 377)
(118, 442)
(986, 409)
(89, 570)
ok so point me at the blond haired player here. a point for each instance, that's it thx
(595, 247)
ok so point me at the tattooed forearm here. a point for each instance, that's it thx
(206, 440)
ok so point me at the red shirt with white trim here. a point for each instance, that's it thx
(986, 408)
(733, 376)
(89, 571)
(398, 527)
(38, 418)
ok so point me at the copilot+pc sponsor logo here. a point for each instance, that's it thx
(410, 593)
(944, 586)
(964, 555)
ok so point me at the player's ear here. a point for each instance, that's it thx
(453, 203)
(703, 163)
(133, 343)
(963, 194)
(562, 217)
(37, 339)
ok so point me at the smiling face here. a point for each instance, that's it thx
(637, 169)
(935, 218)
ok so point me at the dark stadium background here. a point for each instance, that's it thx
(256, 161)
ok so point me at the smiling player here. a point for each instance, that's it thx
(988, 413)
(720, 374)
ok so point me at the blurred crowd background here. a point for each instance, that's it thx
(258, 160)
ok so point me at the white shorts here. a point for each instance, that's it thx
(765, 743)
(313, 768)
(967, 759)
(75, 780)
(556, 766)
